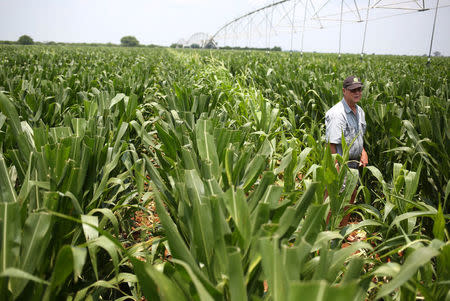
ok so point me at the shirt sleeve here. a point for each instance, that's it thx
(334, 128)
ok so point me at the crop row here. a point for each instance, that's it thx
(201, 175)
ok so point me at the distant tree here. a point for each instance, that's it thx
(129, 41)
(195, 45)
(276, 48)
(437, 53)
(25, 40)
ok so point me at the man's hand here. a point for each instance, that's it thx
(364, 158)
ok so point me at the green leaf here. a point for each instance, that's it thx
(7, 107)
(255, 197)
(139, 175)
(107, 169)
(354, 269)
(236, 275)
(206, 146)
(294, 258)
(20, 274)
(157, 180)
(91, 233)
(409, 215)
(439, 224)
(17, 161)
(155, 285)
(107, 215)
(75, 202)
(110, 247)
(412, 263)
(284, 162)
(131, 107)
(325, 237)
(312, 224)
(377, 174)
(272, 196)
(447, 192)
(7, 192)
(252, 171)
(169, 143)
(194, 185)
(301, 208)
(203, 292)
(342, 255)
(10, 234)
(219, 227)
(273, 268)
(122, 130)
(365, 223)
(178, 247)
(79, 258)
(321, 291)
(443, 265)
(287, 220)
(35, 240)
(411, 183)
(116, 99)
(79, 126)
(259, 216)
(202, 235)
(338, 204)
(89, 222)
(238, 209)
(69, 259)
(290, 173)
(390, 269)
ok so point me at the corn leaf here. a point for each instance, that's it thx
(412, 263)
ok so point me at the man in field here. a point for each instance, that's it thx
(347, 118)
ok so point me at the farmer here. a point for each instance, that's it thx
(347, 118)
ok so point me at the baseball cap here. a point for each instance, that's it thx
(352, 82)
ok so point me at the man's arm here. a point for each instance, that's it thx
(333, 148)
(364, 158)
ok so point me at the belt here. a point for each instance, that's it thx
(353, 164)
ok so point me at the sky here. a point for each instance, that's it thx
(164, 22)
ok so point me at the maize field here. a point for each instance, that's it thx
(178, 174)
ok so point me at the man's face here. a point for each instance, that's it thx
(352, 96)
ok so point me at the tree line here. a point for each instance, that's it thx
(126, 41)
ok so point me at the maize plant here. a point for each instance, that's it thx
(162, 174)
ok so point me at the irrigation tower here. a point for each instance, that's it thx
(289, 23)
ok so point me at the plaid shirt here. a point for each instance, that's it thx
(341, 119)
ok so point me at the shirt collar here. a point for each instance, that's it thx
(347, 107)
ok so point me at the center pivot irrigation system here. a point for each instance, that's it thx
(287, 20)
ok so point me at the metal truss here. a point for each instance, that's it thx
(259, 27)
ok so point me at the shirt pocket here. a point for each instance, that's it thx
(349, 133)
(347, 130)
